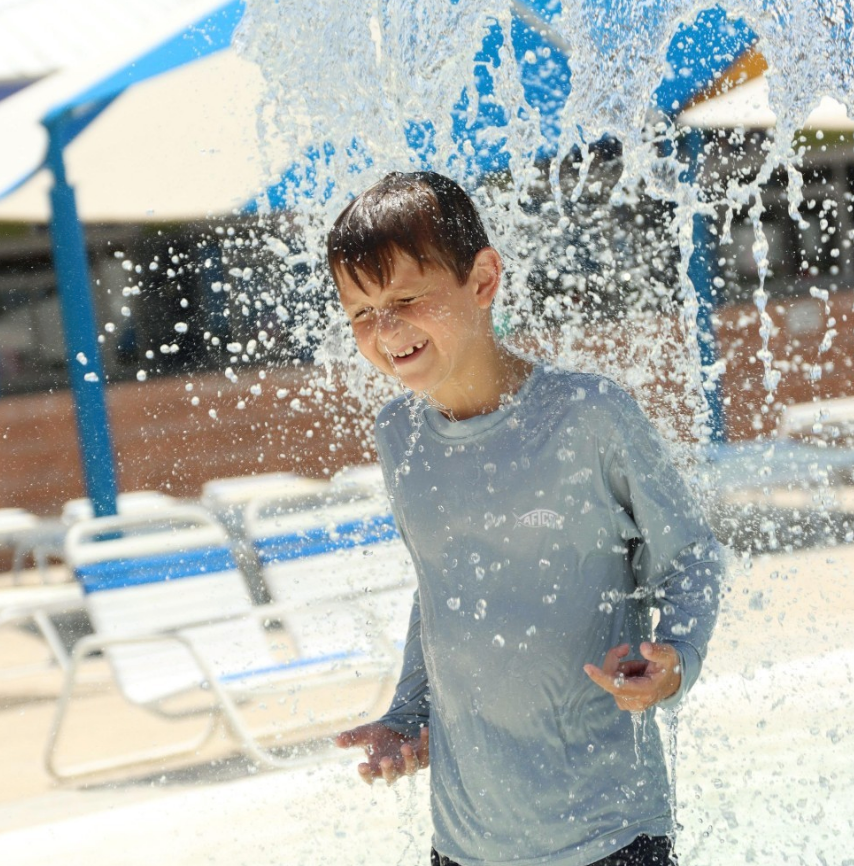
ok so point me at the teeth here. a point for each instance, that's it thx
(409, 351)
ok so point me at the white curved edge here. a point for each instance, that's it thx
(747, 106)
(165, 535)
(323, 510)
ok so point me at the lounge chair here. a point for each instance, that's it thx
(173, 616)
(58, 612)
(227, 498)
(341, 545)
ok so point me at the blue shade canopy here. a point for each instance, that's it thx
(68, 117)
(698, 54)
(210, 34)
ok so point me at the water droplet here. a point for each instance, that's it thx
(454, 603)
(474, 558)
(141, 375)
(91, 377)
(181, 327)
(549, 599)
(490, 468)
(82, 359)
(531, 630)
(544, 564)
(498, 641)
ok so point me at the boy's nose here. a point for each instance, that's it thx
(388, 324)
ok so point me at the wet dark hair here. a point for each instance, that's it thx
(421, 214)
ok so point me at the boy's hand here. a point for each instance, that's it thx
(638, 685)
(390, 755)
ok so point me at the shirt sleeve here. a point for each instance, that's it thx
(675, 556)
(410, 707)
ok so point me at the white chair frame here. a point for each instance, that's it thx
(224, 697)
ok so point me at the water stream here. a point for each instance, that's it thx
(595, 207)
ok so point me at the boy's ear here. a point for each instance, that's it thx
(486, 276)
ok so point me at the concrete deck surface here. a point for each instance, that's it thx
(765, 769)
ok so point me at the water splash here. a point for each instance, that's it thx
(595, 216)
(638, 732)
(384, 61)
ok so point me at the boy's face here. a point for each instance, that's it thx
(423, 327)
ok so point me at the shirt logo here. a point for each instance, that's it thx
(539, 518)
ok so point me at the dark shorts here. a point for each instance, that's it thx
(644, 851)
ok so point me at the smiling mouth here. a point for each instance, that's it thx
(407, 354)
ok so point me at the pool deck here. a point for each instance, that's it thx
(765, 759)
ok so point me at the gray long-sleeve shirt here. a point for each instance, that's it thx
(543, 534)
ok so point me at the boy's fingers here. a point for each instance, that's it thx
(354, 737)
(663, 656)
(662, 653)
(609, 676)
(365, 773)
(388, 770)
(601, 679)
(632, 669)
(410, 761)
(345, 740)
(613, 656)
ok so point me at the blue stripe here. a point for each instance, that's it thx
(122, 573)
(297, 663)
(318, 540)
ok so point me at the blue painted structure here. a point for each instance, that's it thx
(63, 124)
(708, 46)
(83, 356)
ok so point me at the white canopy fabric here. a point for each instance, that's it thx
(38, 37)
(181, 145)
(746, 106)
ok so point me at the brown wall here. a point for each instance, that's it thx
(799, 326)
(163, 442)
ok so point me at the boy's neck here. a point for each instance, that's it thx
(500, 373)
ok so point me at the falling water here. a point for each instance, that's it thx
(595, 207)
(378, 86)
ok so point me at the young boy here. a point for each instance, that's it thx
(545, 522)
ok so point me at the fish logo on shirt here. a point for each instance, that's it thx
(539, 518)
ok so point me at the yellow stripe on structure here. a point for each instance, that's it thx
(751, 64)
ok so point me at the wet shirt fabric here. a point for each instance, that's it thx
(543, 534)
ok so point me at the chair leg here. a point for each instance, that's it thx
(18, 563)
(240, 732)
(52, 639)
(81, 649)
(231, 716)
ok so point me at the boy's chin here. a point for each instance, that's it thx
(412, 383)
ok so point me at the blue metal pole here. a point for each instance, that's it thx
(83, 353)
(702, 270)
